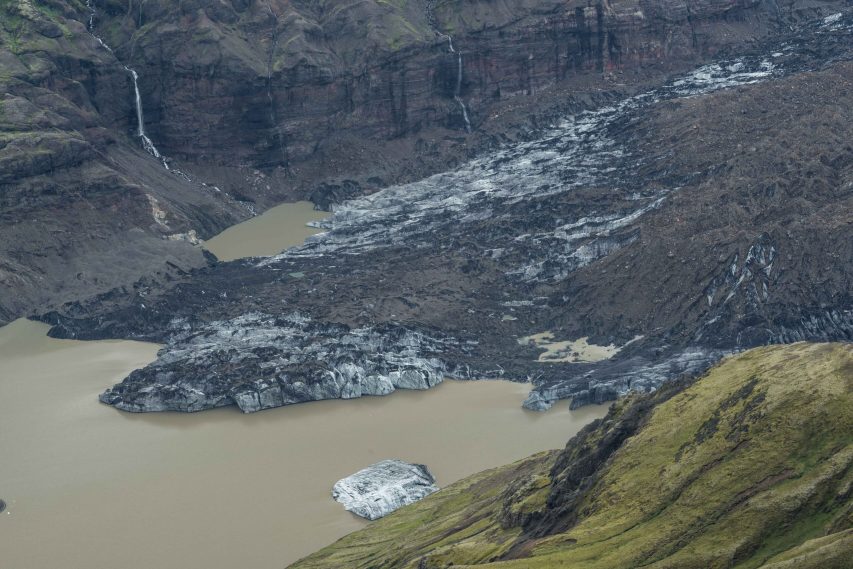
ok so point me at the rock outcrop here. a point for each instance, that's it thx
(749, 466)
(384, 487)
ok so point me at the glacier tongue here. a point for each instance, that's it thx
(258, 361)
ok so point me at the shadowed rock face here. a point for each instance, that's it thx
(384, 487)
(255, 102)
(691, 220)
(269, 82)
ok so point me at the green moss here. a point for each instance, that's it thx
(828, 552)
(20, 20)
(750, 462)
(11, 29)
(459, 522)
(788, 537)
(530, 498)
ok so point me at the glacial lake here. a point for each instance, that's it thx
(268, 234)
(88, 486)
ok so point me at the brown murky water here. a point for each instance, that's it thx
(90, 487)
(268, 234)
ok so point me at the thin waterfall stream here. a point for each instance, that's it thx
(457, 90)
(147, 143)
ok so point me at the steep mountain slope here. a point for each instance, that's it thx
(751, 466)
(707, 215)
(253, 102)
(83, 208)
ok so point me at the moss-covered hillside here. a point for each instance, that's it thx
(751, 466)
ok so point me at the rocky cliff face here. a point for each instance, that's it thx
(306, 87)
(83, 207)
(740, 469)
(254, 102)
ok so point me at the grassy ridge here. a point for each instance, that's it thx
(752, 466)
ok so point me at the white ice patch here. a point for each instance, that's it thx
(832, 19)
(383, 488)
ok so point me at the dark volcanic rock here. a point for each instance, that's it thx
(253, 103)
(608, 381)
(83, 207)
(329, 193)
(699, 218)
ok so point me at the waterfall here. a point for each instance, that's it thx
(147, 143)
(449, 42)
(459, 75)
(456, 96)
(140, 121)
(457, 91)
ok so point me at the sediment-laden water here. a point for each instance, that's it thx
(268, 234)
(89, 486)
